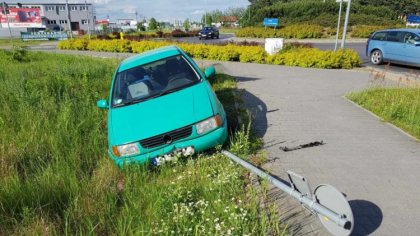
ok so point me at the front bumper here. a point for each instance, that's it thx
(200, 143)
(206, 36)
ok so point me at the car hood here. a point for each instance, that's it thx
(160, 115)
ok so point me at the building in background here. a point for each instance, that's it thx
(31, 17)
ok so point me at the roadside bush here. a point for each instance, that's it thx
(313, 57)
(364, 31)
(293, 45)
(179, 33)
(142, 46)
(294, 54)
(292, 31)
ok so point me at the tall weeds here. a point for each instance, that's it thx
(56, 178)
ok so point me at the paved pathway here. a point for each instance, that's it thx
(374, 163)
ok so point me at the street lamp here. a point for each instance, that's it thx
(338, 25)
(68, 19)
(346, 22)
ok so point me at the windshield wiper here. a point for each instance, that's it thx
(129, 102)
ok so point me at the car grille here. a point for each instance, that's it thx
(166, 138)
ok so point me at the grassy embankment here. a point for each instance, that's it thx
(20, 42)
(399, 106)
(56, 178)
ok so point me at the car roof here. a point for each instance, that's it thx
(416, 31)
(148, 57)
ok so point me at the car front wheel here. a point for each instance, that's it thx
(376, 57)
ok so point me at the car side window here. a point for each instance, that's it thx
(391, 36)
(395, 36)
(411, 38)
(379, 36)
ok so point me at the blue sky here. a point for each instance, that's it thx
(162, 10)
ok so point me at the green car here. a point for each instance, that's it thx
(161, 105)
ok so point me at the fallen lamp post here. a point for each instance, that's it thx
(326, 202)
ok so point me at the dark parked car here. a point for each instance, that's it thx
(401, 46)
(208, 32)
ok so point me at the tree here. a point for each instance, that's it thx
(187, 24)
(152, 24)
(207, 19)
(140, 25)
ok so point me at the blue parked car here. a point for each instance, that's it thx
(401, 46)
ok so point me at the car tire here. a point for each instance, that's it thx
(217, 36)
(199, 38)
(376, 57)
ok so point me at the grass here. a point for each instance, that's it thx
(228, 30)
(20, 42)
(399, 106)
(56, 178)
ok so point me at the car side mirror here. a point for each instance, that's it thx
(209, 72)
(103, 104)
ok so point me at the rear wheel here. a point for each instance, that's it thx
(376, 57)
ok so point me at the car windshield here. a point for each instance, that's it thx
(208, 28)
(153, 80)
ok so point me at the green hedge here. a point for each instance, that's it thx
(301, 31)
(364, 31)
(304, 57)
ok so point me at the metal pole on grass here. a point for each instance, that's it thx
(87, 18)
(332, 216)
(343, 40)
(68, 19)
(338, 25)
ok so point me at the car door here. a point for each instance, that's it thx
(394, 44)
(410, 52)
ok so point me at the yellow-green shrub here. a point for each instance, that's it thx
(300, 31)
(224, 53)
(364, 31)
(313, 57)
(142, 46)
(65, 44)
(303, 57)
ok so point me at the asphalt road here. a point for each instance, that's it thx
(222, 39)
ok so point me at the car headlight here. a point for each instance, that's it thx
(209, 124)
(125, 150)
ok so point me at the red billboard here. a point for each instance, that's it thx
(21, 17)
